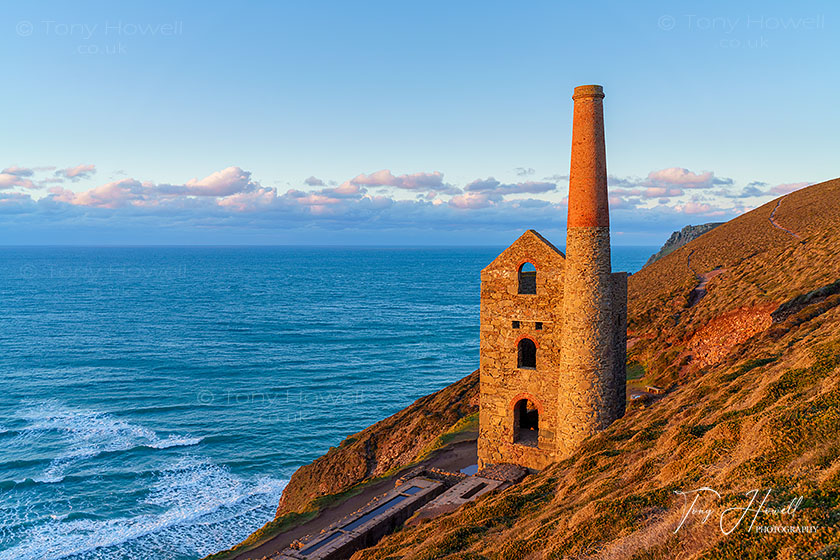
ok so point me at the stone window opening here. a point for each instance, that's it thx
(538, 325)
(526, 423)
(527, 278)
(514, 324)
(526, 354)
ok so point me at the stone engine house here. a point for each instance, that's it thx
(553, 326)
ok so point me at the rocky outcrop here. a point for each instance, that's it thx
(680, 238)
(391, 443)
(717, 338)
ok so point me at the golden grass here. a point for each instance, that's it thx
(765, 416)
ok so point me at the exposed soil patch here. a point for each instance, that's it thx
(700, 290)
(717, 338)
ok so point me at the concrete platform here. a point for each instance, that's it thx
(367, 526)
(465, 491)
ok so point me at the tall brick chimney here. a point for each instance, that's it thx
(594, 343)
(588, 206)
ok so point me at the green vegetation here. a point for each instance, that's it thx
(635, 370)
(749, 365)
(687, 433)
(827, 357)
(267, 531)
(651, 432)
(464, 429)
(455, 540)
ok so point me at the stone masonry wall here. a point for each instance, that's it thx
(619, 344)
(589, 394)
(502, 382)
(578, 384)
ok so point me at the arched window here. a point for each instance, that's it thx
(526, 357)
(526, 423)
(527, 279)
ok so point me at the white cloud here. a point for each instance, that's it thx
(228, 181)
(474, 200)
(18, 171)
(11, 179)
(110, 195)
(231, 198)
(693, 207)
(413, 181)
(83, 171)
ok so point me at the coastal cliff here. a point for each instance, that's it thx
(361, 466)
(751, 383)
(680, 238)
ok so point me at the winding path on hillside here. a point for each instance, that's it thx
(776, 224)
(702, 281)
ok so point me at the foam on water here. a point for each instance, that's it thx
(86, 434)
(197, 507)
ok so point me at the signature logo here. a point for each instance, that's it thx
(696, 506)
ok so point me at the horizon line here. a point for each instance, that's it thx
(266, 245)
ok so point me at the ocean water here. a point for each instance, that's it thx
(155, 401)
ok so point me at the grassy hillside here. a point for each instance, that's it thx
(753, 377)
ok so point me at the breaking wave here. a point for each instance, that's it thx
(186, 506)
(85, 435)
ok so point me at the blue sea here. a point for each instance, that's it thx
(155, 401)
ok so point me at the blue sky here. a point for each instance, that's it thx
(401, 122)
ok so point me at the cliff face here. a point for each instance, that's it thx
(391, 443)
(752, 372)
(680, 238)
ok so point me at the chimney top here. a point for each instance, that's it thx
(588, 199)
(588, 91)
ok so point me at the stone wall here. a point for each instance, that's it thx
(619, 344)
(590, 313)
(578, 385)
(502, 382)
